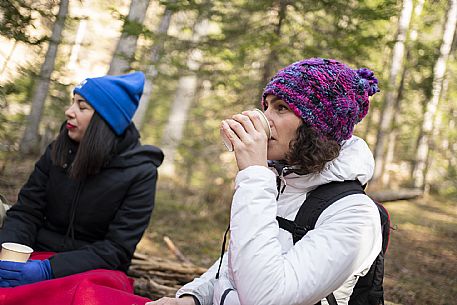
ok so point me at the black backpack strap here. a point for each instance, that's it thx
(316, 202)
(331, 300)
(297, 231)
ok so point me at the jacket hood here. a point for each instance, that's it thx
(354, 162)
(138, 155)
(131, 152)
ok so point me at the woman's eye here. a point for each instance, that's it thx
(83, 106)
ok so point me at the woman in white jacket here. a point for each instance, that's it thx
(312, 107)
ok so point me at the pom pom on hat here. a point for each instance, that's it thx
(114, 98)
(329, 96)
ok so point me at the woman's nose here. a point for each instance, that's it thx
(69, 113)
(268, 115)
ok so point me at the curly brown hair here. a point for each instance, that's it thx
(309, 152)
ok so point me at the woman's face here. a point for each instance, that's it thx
(78, 116)
(284, 124)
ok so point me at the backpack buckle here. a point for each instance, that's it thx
(299, 232)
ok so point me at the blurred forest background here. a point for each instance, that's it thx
(208, 59)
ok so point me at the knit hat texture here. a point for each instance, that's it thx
(114, 98)
(328, 95)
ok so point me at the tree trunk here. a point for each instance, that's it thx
(385, 177)
(451, 146)
(439, 71)
(151, 71)
(127, 43)
(80, 33)
(8, 57)
(30, 139)
(387, 112)
(271, 62)
(185, 94)
(435, 148)
(174, 129)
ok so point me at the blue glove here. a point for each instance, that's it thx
(14, 274)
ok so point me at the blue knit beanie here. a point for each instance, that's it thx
(114, 98)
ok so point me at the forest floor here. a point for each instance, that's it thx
(421, 263)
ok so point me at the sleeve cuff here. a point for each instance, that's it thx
(197, 302)
(255, 171)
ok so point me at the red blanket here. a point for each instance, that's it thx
(96, 287)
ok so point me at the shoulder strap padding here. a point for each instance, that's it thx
(316, 202)
(321, 198)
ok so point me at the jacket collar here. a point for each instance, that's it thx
(354, 162)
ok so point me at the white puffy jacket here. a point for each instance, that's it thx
(263, 266)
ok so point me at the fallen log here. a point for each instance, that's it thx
(158, 277)
(172, 247)
(394, 195)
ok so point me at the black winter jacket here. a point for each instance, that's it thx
(95, 223)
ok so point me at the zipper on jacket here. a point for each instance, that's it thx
(222, 251)
(280, 168)
(280, 183)
(73, 207)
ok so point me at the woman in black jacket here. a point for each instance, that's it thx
(91, 194)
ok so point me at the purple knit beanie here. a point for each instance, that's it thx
(329, 96)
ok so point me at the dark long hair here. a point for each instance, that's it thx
(309, 152)
(95, 149)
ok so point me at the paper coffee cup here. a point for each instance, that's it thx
(226, 141)
(266, 127)
(265, 123)
(15, 252)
